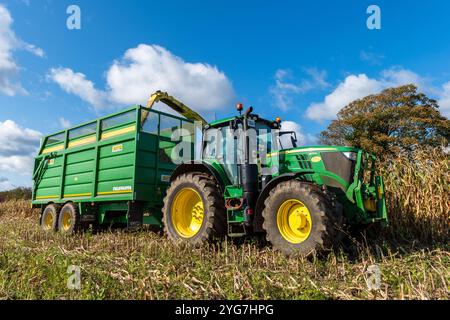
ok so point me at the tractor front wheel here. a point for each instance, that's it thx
(300, 219)
(194, 209)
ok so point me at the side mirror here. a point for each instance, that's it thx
(294, 139)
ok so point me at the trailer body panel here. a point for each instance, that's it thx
(119, 158)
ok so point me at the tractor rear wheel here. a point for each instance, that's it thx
(300, 219)
(194, 209)
(49, 218)
(69, 219)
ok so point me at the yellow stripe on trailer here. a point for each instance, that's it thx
(77, 195)
(114, 133)
(81, 142)
(46, 197)
(114, 192)
(53, 149)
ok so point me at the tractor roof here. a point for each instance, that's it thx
(226, 121)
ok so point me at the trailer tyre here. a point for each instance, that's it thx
(194, 209)
(69, 220)
(49, 218)
(300, 219)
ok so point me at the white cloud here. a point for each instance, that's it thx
(302, 138)
(352, 88)
(77, 84)
(145, 69)
(358, 86)
(18, 146)
(33, 49)
(64, 123)
(284, 90)
(291, 126)
(8, 43)
(17, 164)
(398, 76)
(444, 101)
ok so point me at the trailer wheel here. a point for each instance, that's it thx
(49, 218)
(69, 219)
(300, 219)
(194, 209)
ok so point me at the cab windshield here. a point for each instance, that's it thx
(286, 140)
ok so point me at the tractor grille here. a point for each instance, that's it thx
(339, 164)
(304, 162)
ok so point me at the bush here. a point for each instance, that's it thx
(16, 194)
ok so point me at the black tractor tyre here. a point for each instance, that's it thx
(49, 218)
(326, 218)
(69, 220)
(214, 223)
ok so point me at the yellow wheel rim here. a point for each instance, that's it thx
(48, 222)
(294, 221)
(66, 221)
(187, 212)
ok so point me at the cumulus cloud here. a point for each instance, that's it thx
(145, 69)
(291, 126)
(352, 88)
(284, 90)
(444, 101)
(77, 84)
(358, 86)
(9, 42)
(302, 138)
(18, 146)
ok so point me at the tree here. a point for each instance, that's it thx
(394, 121)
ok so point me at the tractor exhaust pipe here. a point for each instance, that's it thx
(249, 175)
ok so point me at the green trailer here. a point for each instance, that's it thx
(115, 169)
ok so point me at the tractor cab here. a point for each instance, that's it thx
(238, 141)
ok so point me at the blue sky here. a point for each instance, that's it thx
(300, 60)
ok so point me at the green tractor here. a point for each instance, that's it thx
(300, 197)
(251, 178)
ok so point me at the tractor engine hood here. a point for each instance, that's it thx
(338, 160)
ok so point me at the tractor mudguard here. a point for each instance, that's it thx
(199, 167)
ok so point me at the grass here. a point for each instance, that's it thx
(412, 254)
(119, 265)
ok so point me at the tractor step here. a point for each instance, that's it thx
(88, 218)
(236, 230)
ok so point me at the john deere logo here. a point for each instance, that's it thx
(316, 159)
(117, 148)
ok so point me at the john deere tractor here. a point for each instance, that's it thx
(251, 178)
(300, 197)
